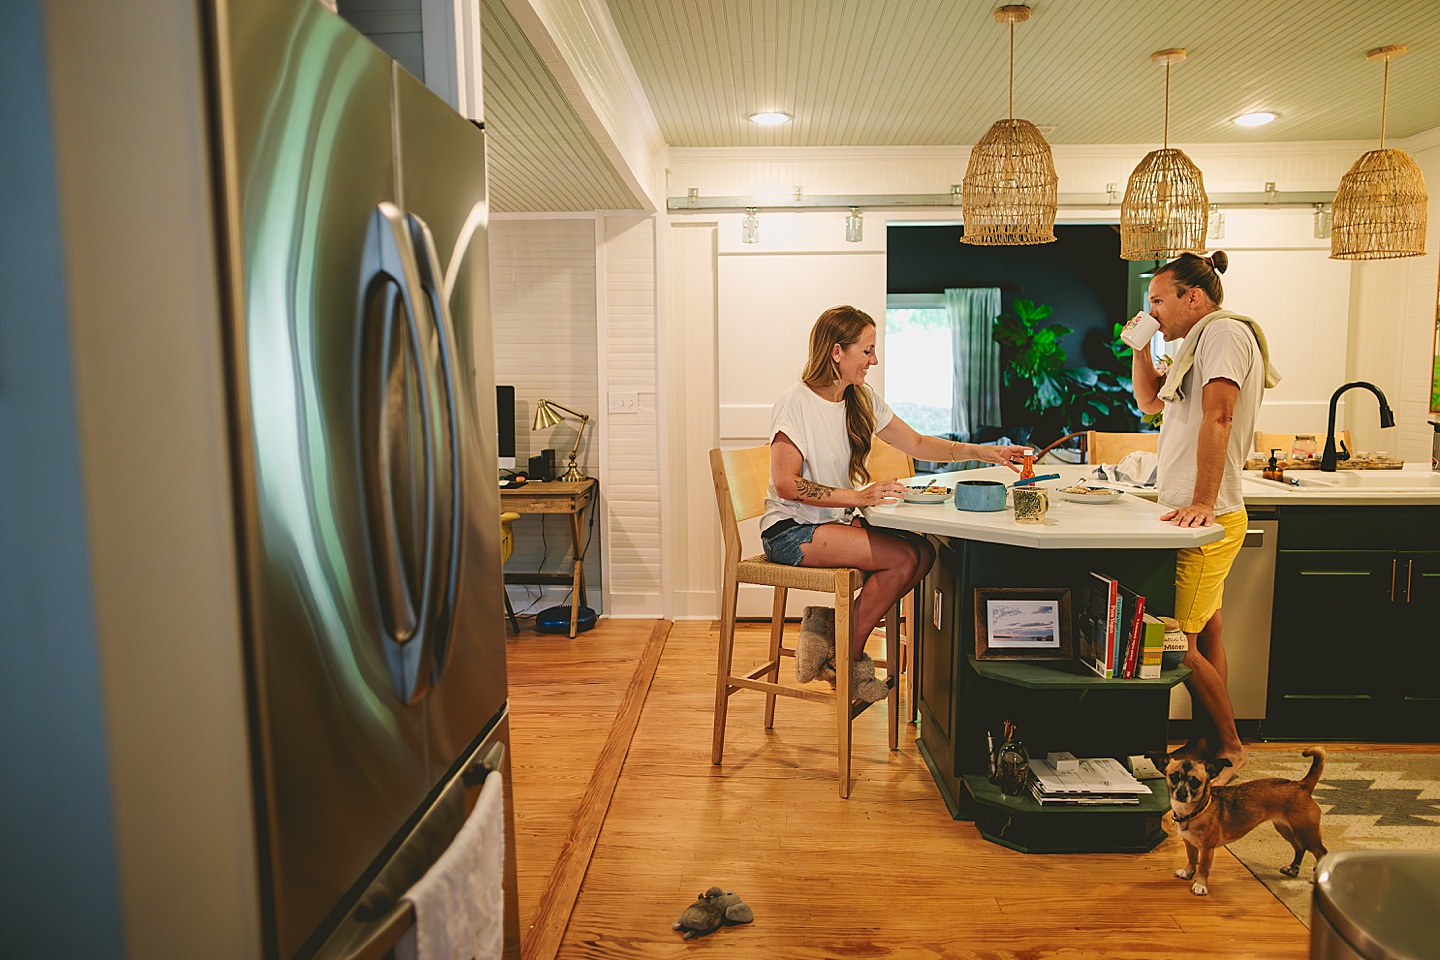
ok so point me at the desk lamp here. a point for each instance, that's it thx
(546, 416)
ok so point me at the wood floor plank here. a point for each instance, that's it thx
(552, 914)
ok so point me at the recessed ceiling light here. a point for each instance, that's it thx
(770, 119)
(1257, 119)
(1046, 129)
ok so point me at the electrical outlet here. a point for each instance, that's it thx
(624, 401)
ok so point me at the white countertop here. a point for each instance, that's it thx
(1130, 523)
(1413, 485)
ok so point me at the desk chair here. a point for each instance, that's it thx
(507, 547)
(741, 478)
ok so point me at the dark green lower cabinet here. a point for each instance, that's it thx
(1355, 640)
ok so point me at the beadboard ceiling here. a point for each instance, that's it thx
(933, 72)
(540, 155)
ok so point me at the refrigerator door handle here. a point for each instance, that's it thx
(391, 385)
(449, 479)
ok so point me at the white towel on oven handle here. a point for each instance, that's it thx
(460, 902)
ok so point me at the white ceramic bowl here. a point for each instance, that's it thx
(918, 495)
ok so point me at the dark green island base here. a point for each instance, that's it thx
(1055, 705)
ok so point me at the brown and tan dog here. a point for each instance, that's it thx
(1211, 817)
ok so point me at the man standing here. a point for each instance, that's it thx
(1211, 398)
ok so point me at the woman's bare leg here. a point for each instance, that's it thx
(895, 567)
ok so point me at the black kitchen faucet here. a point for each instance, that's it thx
(1387, 419)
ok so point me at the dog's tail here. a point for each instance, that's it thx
(1316, 766)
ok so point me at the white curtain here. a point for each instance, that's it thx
(977, 358)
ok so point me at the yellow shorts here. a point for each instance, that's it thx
(1200, 572)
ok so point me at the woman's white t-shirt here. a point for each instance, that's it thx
(817, 427)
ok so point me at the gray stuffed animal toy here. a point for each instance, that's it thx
(711, 910)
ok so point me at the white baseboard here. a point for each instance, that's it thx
(635, 606)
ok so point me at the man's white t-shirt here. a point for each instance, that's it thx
(1227, 350)
(817, 427)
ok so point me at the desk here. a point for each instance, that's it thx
(555, 496)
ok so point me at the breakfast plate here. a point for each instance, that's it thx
(934, 493)
(1087, 493)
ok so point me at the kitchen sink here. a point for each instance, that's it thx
(1355, 481)
(1377, 480)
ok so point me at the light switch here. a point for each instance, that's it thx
(624, 401)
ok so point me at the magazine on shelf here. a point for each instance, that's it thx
(1101, 776)
(1079, 800)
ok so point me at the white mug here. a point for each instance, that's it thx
(1139, 330)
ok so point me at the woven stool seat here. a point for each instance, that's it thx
(761, 571)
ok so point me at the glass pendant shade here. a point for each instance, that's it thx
(1010, 189)
(1380, 209)
(1165, 210)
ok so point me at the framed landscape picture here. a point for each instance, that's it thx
(1022, 623)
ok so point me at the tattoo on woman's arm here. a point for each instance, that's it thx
(812, 490)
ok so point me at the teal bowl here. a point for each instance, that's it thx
(980, 496)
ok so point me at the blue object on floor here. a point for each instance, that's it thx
(557, 620)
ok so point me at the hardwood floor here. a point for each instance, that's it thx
(885, 873)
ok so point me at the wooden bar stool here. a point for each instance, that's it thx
(741, 480)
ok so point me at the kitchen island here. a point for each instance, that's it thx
(961, 700)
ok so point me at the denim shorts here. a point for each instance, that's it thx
(784, 546)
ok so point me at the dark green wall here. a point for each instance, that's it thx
(1080, 275)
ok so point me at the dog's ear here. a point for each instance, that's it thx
(1160, 759)
(1213, 767)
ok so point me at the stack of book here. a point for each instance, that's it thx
(1118, 639)
(1097, 781)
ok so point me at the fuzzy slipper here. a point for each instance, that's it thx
(863, 685)
(862, 669)
(816, 643)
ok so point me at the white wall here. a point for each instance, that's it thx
(632, 458)
(542, 303)
(574, 309)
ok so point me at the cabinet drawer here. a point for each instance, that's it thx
(1359, 528)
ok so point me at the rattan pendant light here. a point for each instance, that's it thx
(1010, 185)
(1165, 210)
(1379, 210)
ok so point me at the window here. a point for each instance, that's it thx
(919, 361)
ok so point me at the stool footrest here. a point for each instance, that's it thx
(777, 689)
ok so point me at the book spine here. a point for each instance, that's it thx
(1137, 637)
(1150, 666)
(1112, 628)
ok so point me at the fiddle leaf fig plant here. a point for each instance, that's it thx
(1035, 352)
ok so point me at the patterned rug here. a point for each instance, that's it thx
(1368, 801)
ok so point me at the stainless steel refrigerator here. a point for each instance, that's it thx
(362, 414)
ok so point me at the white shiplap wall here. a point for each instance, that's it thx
(1392, 341)
(542, 302)
(631, 459)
